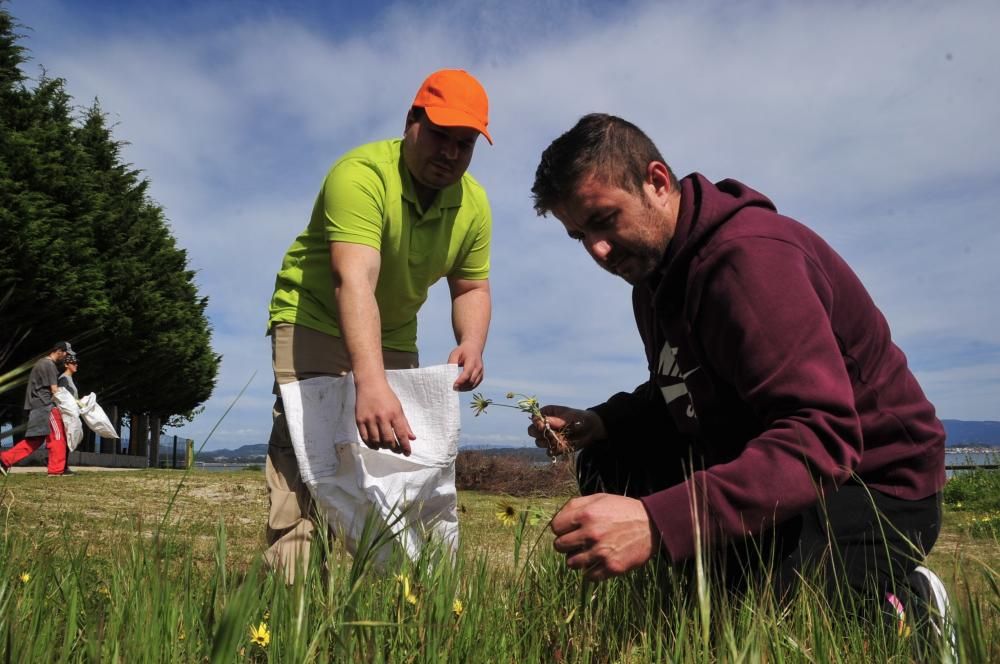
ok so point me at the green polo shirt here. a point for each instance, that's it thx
(368, 198)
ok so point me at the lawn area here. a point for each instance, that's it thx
(103, 510)
(96, 568)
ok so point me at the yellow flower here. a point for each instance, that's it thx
(103, 590)
(457, 608)
(25, 577)
(480, 404)
(260, 635)
(506, 513)
(528, 405)
(408, 594)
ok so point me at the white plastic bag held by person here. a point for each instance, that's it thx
(413, 496)
(70, 412)
(94, 416)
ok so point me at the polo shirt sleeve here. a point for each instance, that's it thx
(476, 263)
(354, 204)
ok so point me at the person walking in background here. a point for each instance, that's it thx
(780, 429)
(392, 218)
(44, 420)
(70, 367)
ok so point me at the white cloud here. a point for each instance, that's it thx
(872, 123)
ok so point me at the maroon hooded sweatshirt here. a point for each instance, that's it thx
(772, 369)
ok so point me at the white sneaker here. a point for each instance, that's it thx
(927, 586)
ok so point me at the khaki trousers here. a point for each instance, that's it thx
(298, 353)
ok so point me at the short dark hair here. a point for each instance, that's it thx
(415, 114)
(606, 146)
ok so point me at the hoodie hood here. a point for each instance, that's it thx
(704, 207)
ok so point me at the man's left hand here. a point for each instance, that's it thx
(605, 535)
(471, 361)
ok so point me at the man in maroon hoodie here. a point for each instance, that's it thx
(779, 422)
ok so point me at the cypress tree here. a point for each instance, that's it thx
(87, 256)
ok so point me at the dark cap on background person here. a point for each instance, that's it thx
(454, 98)
(63, 346)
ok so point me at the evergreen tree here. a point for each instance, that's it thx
(88, 256)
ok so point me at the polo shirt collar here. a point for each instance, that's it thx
(449, 197)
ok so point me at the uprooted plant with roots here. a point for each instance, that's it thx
(558, 444)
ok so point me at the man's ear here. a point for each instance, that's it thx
(658, 178)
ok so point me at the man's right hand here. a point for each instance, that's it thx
(580, 427)
(380, 419)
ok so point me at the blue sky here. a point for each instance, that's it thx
(873, 123)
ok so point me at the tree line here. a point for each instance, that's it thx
(87, 256)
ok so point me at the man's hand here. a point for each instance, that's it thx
(604, 535)
(471, 361)
(580, 427)
(380, 419)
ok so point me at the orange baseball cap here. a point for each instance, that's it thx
(453, 98)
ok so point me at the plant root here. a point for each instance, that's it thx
(558, 443)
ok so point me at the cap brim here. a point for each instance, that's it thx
(450, 117)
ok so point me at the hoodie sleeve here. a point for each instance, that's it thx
(628, 416)
(760, 310)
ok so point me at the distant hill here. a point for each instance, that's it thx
(963, 432)
(531, 454)
(245, 454)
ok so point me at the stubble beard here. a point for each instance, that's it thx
(645, 257)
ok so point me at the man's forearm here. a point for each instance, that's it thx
(378, 412)
(470, 316)
(361, 328)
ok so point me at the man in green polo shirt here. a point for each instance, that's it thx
(391, 218)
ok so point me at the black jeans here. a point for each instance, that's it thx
(856, 539)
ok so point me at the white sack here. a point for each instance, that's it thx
(70, 412)
(95, 418)
(415, 496)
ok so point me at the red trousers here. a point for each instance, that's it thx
(55, 441)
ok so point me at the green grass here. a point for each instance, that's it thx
(974, 497)
(103, 586)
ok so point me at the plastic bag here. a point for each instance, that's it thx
(95, 417)
(70, 412)
(413, 496)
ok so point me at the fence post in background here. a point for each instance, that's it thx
(173, 458)
(134, 431)
(154, 441)
(190, 453)
(117, 422)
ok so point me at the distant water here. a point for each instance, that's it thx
(970, 459)
(227, 467)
